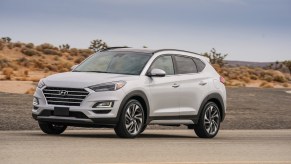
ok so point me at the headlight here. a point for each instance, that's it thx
(111, 86)
(40, 84)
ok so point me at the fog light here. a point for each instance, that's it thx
(35, 101)
(105, 104)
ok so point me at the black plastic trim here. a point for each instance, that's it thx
(215, 96)
(136, 93)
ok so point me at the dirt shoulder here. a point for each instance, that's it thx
(248, 108)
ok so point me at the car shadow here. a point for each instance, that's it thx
(113, 135)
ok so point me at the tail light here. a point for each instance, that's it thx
(222, 80)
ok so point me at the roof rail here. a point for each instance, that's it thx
(111, 48)
(175, 50)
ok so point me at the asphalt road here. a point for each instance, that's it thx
(154, 146)
(247, 108)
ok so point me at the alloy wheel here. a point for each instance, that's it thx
(133, 119)
(211, 119)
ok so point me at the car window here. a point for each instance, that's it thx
(130, 63)
(164, 63)
(185, 65)
(200, 65)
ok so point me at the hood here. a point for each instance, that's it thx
(83, 79)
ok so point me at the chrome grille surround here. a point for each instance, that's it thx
(65, 96)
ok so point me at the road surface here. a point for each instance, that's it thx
(154, 146)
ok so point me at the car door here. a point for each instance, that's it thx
(163, 90)
(192, 85)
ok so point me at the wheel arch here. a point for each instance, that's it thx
(217, 99)
(141, 97)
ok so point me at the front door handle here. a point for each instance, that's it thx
(202, 83)
(175, 85)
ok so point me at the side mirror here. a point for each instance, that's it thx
(157, 73)
(74, 66)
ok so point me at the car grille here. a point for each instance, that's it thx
(64, 96)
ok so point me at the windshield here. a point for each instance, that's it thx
(130, 63)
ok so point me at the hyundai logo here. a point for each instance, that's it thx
(63, 92)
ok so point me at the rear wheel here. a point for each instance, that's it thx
(51, 128)
(209, 121)
(131, 121)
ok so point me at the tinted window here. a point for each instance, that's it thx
(185, 65)
(165, 63)
(115, 62)
(200, 65)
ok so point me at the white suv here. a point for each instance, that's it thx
(127, 89)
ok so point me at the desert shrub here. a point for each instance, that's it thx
(253, 77)
(38, 64)
(8, 72)
(215, 58)
(10, 45)
(280, 79)
(2, 45)
(23, 61)
(29, 45)
(50, 52)
(85, 52)
(285, 85)
(29, 52)
(268, 78)
(246, 79)
(53, 68)
(266, 85)
(17, 44)
(233, 75)
(79, 60)
(56, 58)
(26, 72)
(45, 46)
(46, 70)
(4, 63)
(74, 51)
(70, 58)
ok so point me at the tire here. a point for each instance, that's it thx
(143, 129)
(209, 121)
(131, 120)
(50, 128)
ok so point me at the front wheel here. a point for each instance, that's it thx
(51, 128)
(209, 121)
(131, 120)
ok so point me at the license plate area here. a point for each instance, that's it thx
(61, 111)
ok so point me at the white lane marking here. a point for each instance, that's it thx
(288, 92)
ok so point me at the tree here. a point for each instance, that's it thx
(216, 58)
(98, 45)
(287, 63)
(64, 47)
(6, 39)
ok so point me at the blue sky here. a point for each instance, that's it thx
(249, 30)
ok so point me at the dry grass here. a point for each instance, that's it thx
(20, 61)
(30, 91)
(7, 72)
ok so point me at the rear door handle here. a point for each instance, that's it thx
(175, 85)
(202, 83)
